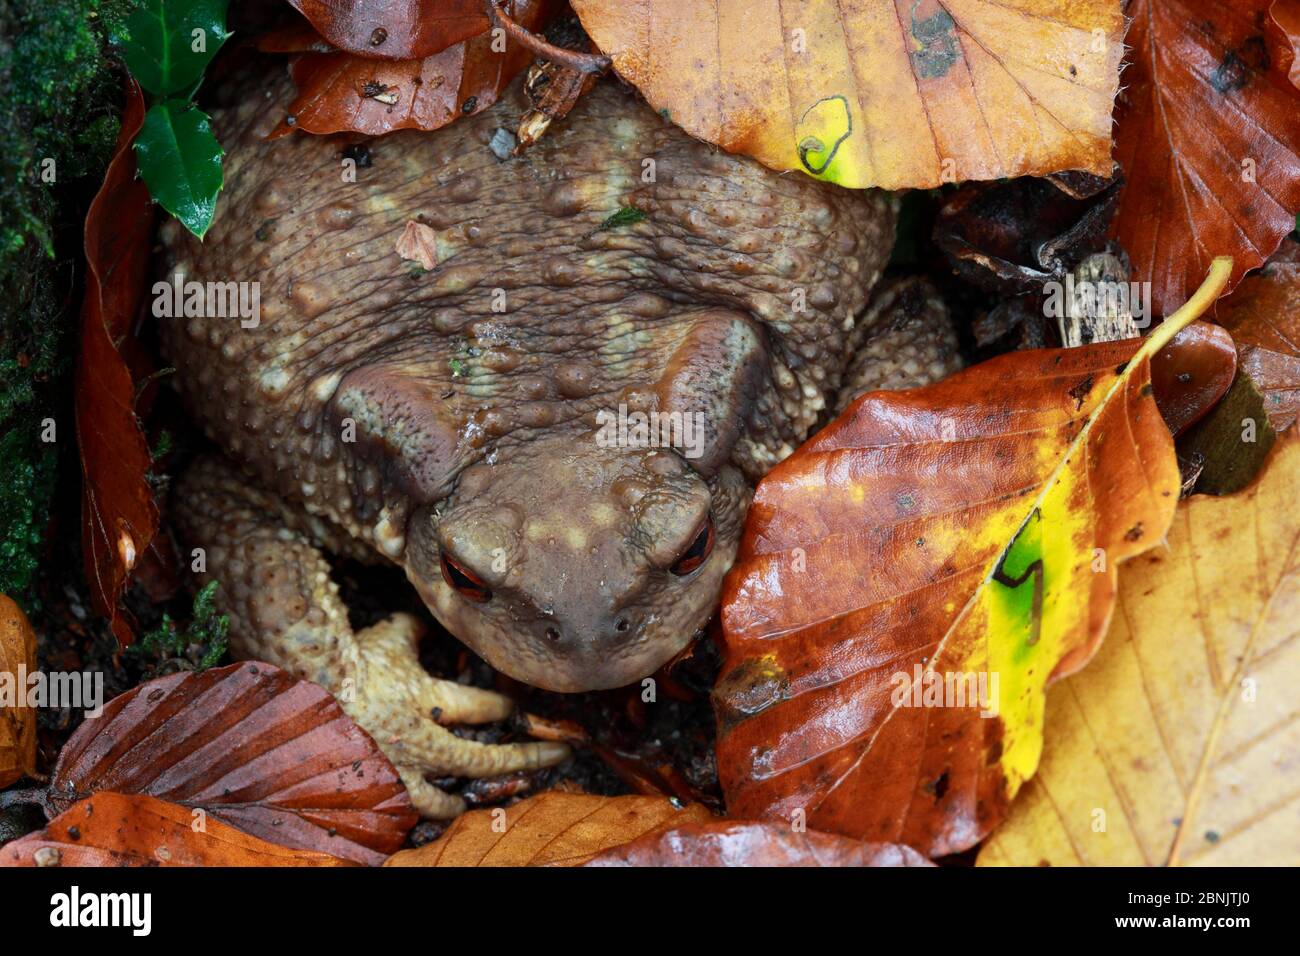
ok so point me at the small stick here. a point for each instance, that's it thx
(573, 59)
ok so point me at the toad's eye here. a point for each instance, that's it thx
(464, 581)
(698, 552)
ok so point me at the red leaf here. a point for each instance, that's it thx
(1208, 139)
(270, 754)
(342, 92)
(729, 843)
(1192, 374)
(114, 829)
(400, 31)
(119, 515)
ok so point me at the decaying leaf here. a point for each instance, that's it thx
(17, 720)
(891, 93)
(552, 829)
(1208, 140)
(733, 843)
(923, 539)
(114, 829)
(344, 92)
(119, 515)
(1180, 744)
(418, 243)
(251, 745)
(1264, 319)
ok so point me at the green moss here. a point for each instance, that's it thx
(59, 116)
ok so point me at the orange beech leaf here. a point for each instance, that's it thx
(344, 92)
(17, 720)
(118, 511)
(912, 578)
(252, 745)
(115, 829)
(1209, 141)
(1183, 736)
(551, 829)
(730, 843)
(1264, 318)
(891, 93)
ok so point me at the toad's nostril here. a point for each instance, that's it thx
(552, 634)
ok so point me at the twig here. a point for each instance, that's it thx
(573, 59)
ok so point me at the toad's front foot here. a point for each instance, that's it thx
(285, 609)
(404, 709)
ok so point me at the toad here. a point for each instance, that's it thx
(550, 416)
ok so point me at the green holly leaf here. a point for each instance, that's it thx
(170, 42)
(180, 161)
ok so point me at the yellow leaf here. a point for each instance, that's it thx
(17, 723)
(890, 93)
(1180, 744)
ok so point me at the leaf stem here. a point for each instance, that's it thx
(573, 59)
(1191, 310)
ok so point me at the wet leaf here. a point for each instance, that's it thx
(344, 92)
(419, 243)
(900, 93)
(119, 515)
(408, 30)
(972, 527)
(1208, 140)
(253, 746)
(552, 829)
(1264, 319)
(17, 720)
(169, 43)
(1180, 744)
(731, 843)
(114, 829)
(180, 160)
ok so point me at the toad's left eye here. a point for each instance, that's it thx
(464, 581)
(699, 551)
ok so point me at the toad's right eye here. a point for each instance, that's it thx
(464, 581)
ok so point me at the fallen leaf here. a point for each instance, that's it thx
(406, 30)
(924, 535)
(730, 843)
(419, 243)
(1208, 140)
(252, 745)
(897, 94)
(344, 92)
(1180, 744)
(1192, 374)
(118, 511)
(115, 829)
(17, 720)
(1263, 316)
(552, 829)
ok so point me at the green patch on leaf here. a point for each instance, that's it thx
(180, 161)
(169, 43)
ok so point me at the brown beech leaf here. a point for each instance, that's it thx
(116, 829)
(551, 829)
(964, 536)
(252, 745)
(17, 720)
(418, 243)
(732, 843)
(1183, 737)
(1263, 316)
(400, 29)
(118, 511)
(1208, 139)
(344, 92)
(891, 93)
(1192, 374)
